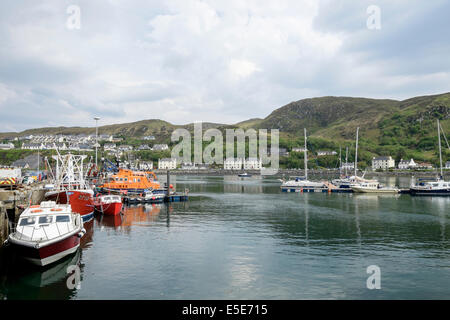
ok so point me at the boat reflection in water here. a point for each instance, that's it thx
(131, 215)
(50, 282)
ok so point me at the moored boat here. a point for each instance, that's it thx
(70, 186)
(108, 204)
(131, 181)
(302, 183)
(244, 175)
(437, 187)
(47, 232)
(371, 187)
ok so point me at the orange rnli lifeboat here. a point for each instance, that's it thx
(131, 181)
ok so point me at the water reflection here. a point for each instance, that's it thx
(21, 280)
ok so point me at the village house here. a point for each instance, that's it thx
(167, 163)
(384, 163)
(148, 138)
(298, 149)
(145, 165)
(144, 147)
(326, 153)
(125, 147)
(252, 164)
(33, 146)
(233, 164)
(405, 164)
(109, 147)
(6, 146)
(160, 147)
(424, 166)
(348, 166)
(447, 165)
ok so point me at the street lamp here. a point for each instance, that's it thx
(96, 138)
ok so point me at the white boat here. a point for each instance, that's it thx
(355, 180)
(370, 187)
(437, 187)
(47, 232)
(302, 182)
(244, 175)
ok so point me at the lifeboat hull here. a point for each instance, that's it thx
(81, 201)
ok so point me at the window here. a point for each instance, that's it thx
(27, 221)
(45, 219)
(62, 219)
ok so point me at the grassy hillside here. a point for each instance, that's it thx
(402, 129)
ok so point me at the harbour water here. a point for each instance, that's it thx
(241, 238)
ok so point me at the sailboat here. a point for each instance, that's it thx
(437, 187)
(302, 183)
(349, 182)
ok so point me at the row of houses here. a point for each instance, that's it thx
(387, 162)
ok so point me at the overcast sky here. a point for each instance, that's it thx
(217, 61)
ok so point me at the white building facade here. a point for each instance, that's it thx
(167, 163)
(405, 164)
(252, 164)
(383, 163)
(233, 164)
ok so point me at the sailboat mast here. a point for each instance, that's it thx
(440, 150)
(306, 158)
(346, 160)
(356, 151)
(340, 161)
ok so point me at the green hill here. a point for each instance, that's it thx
(387, 127)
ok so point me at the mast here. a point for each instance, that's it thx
(440, 151)
(306, 158)
(356, 151)
(346, 160)
(340, 161)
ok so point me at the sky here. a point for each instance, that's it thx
(64, 62)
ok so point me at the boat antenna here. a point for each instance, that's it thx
(306, 158)
(356, 151)
(440, 149)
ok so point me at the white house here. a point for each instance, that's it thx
(383, 163)
(233, 164)
(125, 147)
(252, 164)
(149, 138)
(146, 166)
(167, 163)
(6, 146)
(405, 164)
(348, 165)
(160, 147)
(33, 146)
(298, 149)
(109, 147)
(447, 165)
(326, 153)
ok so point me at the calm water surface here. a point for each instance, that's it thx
(243, 239)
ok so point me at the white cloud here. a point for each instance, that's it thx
(218, 61)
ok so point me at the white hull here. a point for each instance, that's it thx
(360, 189)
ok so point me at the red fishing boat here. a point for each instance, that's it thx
(47, 232)
(108, 204)
(70, 186)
